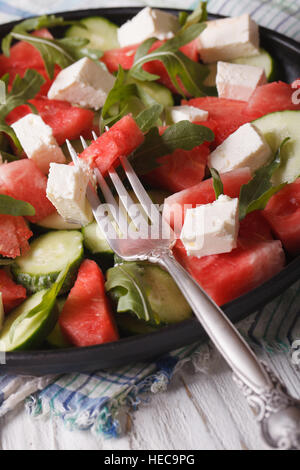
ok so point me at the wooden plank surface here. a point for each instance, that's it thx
(199, 411)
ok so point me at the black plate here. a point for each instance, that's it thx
(287, 54)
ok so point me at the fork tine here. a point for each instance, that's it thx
(124, 196)
(140, 191)
(72, 152)
(118, 215)
(83, 142)
(95, 137)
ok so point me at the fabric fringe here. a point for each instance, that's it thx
(105, 418)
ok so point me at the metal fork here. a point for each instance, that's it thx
(276, 411)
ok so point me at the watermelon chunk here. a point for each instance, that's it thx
(255, 227)
(66, 121)
(125, 57)
(283, 214)
(228, 115)
(14, 236)
(24, 56)
(227, 276)
(179, 170)
(275, 96)
(86, 318)
(176, 205)
(12, 294)
(121, 139)
(24, 181)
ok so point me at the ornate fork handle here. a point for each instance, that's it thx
(277, 412)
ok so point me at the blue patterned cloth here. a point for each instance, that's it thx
(92, 401)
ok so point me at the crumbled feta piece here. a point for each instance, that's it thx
(238, 81)
(246, 147)
(229, 38)
(146, 24)
(38, 142)
(66, 189)
(188, 113)
(84, 83)
(210, 229)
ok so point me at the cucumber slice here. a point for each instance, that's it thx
(94, 241)
(49, 254)
(276, 127)
(145, 289)
(30, 332)
(56, 222)
(130, 325)
(56, 339)
(158, 93)
(96, 244)
(262, 60)
(101, 33)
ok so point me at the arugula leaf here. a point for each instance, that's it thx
(45, 306)
(217, 182)
(199, 14)
(11, 206)
(256, 194)
(23, 89)
(62, 52)
(182, 135)
(177, 64)
(126, 286)
(115, 105)
(149, 117)
(33, 24)
(182, 17)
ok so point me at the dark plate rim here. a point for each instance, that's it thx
(238, 309)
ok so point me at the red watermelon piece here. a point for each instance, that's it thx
(14, 236)
(86, 318)
(12, 294)
(24, 181)
(255, 227)
(283, 215)
(228, 115)
(121, 139)
(125, 57)
(67, 121)
(227, 276)
(24, 56)
(179, 170)
(275, 96)
(176, 205)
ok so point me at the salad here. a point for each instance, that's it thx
(195, 107)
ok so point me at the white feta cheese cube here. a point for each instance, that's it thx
(187, 113)
(38, 142)
(246, 147)
(238, 81)
(146, 24)
(66, 189)
(229, 38)
(211, 229)
(84, 83)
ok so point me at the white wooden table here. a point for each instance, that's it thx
(199, 411)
